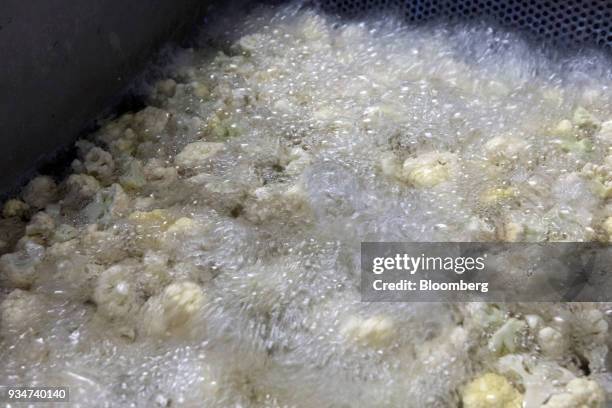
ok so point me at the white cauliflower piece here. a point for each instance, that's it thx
(19, 311)
(39, 192)
(150, 122)
(109, 203)
(154, 275)
(505, 338)
(15, 208)
(585, 119)
(19, 268)
(491, 391)
(505, 148)
(80, 189)
(540, 380)
(115, 293)
(428, 169)
(552, 342)
(277, 202)
(605, 133)
(100, 164)
(196, 154)
(174, 309)
(297, 161)
(579, 393)
(376, 331)
(41, 224)
(158, 174)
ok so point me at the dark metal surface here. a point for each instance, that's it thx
(64, 61)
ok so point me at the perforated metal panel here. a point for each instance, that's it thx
(563, 22)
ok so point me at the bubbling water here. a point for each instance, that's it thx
(207, 253)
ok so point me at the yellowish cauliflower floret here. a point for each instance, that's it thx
(115, 293)
(491, 391)
(173, 310)
(585, 119)
(41, 224)
(15, 208)
(39, 192)
(428, 169)
(133, 177)
(579, 393)
(495, 195)
(607, 227)
(375, 331)
(196, 154)
(505, 148)
(182, 225)
(563, 128)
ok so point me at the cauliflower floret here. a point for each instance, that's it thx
(81, 188)
(174, 309)
(607, 227)
(19, 311)
(491, 391)
(585, 119)
(182, 225)
(19, 268)
(154, 275)
(157, 173)
(540, 380)
(552, 342)
(297, 161)
(39, 192)
(196, 154)
(64, 232)
(505, 148)
(428, 169)
(563, 128)
(104, 246)
(15, 208)
(600, 177)
(41, 224)
(496, 195)
(505, 338)
(166, 87)
(109, 203)
(375, 331)
(277, 201)
(100, 164)
(605, 133)
(133, 177)
(579, 393)
(115, 293)
(150, 122)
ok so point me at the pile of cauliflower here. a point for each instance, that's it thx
(204, 251)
